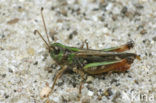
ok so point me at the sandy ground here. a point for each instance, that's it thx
(25, 62)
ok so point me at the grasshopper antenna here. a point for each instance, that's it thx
(45, 28)
(36, 31)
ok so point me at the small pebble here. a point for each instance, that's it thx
(136, 81)
(36, 63)
(143, 32)
(113, 80)
(30, 51)
(89, 79)
(55, 100)
(70, 97)
(99, 97)
(3, 75)
(124, 10)
(45, 92)
(6, 96)
(139, 6)
(91, 87)
(154, 38)
(90, 93)
(117, 95)
(10, 70)
(72, 34)
(114, 17)
(64, 12)
(108, 92)
(13, 21)
(86, 100)
(146, 42)
(20, 9)
(49, 69)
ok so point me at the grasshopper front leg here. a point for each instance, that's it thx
(58, 75)
(47, 90)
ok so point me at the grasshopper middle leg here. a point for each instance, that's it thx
(85, 42)
(82, 74)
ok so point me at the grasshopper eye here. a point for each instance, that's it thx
(56, 50)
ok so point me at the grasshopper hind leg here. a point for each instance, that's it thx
(121, 66)
(125, 47)
(121, 48)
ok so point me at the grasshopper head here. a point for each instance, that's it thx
(57, 52)
(55, 49)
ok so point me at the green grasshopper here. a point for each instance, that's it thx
(85, 60)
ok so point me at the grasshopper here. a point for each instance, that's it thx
(85, 60)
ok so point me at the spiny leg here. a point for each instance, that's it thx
(125, 47)
(58, 75)
(82, 74)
